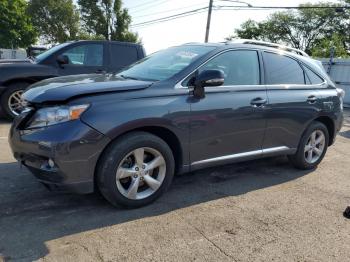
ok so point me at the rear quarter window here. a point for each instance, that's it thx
(311, 77)
(281, 70)
(122, 55)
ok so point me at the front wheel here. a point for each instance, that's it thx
(11, 100)
(135, 170)
(312, 147)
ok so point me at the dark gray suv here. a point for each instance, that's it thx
(178, 110)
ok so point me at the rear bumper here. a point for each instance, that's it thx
(73, 147)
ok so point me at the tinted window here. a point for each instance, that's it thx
(87, 55)
(282, 70)
(240, 67)
(122, 55)
(312, 78)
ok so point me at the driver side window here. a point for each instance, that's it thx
(85, 55)
(240, 67)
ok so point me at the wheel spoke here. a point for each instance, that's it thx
(158, 161)
(124, 172)
(152, 182)
(317, 151)
(320, 139)
(313, 137)
(139, 155)
(307, 148)
(134, 186)
(309, 156)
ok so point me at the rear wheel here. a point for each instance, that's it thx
(135, 170)
(11, 100)
(312, 147)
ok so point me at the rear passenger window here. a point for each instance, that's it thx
(122, 55)
(312, 78)
(282, 70)
(240, 67)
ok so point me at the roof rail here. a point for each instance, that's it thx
(268, 44)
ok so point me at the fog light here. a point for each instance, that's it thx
(51, 163)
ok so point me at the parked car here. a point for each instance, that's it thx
(178, 110)
(71, 58)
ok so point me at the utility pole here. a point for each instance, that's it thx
(210, 8)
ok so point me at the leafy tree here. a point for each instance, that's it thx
(57, 21)
(16, 29)
(303, 29)
(107, 18)
(323, 48)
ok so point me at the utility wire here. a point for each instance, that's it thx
(219, 8)
(171, 17)
(168, 11)
(149, 6)
(282, 7)
(143, 4)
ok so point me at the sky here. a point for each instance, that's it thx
(192, 28)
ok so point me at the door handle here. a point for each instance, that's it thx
(312, 99)
(100, 71)
(258, 102)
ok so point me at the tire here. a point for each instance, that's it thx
(12, 89)
(301, 159)
(121, 159)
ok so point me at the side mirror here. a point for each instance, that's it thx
(207, 78)
(62, 60)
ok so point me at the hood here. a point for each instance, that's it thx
(12, 61)
(60, 89)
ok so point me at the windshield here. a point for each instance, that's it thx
(166, 63)
(49, 52)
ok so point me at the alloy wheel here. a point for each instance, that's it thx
(140, 173)
(315, 146)
(16, 102)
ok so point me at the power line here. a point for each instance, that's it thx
(143, 4)
(168, 11)
(227, 8)
(171, 17)
(281, 7)
(149, 6)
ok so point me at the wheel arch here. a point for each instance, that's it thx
(329, 123)
(20, 80)
(168, 136)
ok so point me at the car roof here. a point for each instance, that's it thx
(237, 43)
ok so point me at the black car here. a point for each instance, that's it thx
(178, 110)
(71, 58)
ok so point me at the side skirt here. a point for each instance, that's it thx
(222, 160)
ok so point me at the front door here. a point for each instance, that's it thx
(229, 122)
(84, 58)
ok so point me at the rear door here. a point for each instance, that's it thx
(294, 99)
(229, 122)
(84, 58)
(122, 55)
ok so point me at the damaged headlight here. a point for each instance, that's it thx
(54, 115)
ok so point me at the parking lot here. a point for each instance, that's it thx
(254, 211)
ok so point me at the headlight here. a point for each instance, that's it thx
(54, 115)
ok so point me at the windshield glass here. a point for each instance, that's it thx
(47, 53)
(166, 63)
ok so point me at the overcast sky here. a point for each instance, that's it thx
(192, 28)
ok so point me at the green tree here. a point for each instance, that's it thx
(107, 18)
(323, 48)
(57, 21)
(303, 29)
(16, 29)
